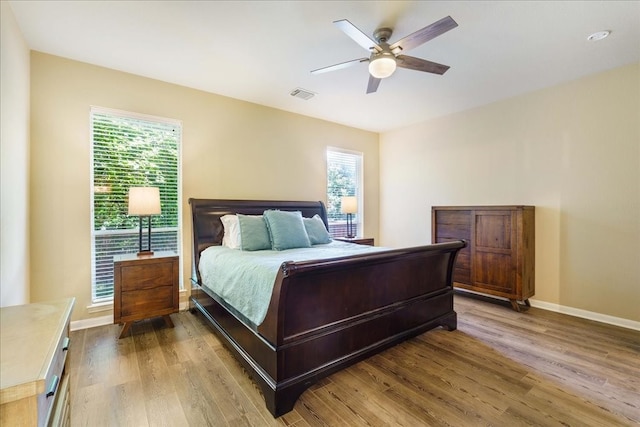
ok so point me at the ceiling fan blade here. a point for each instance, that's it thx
(373, 84)
(358, 36)
(339, 66)
(418, 64)
(424, 35)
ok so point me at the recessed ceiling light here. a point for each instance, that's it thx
(598, 36)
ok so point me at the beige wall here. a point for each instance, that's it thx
(230, 149)
(14, 161)
(573, 151)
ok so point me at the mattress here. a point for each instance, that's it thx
(245, 279)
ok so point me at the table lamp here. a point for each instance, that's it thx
(144, 202)
(349, 205)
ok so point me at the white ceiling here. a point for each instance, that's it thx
(259, 51)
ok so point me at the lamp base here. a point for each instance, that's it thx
(350, 233)
(145, 253)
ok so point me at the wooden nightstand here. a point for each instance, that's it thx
(359, 240)
(144, 287)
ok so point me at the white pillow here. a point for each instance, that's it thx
(231, 237)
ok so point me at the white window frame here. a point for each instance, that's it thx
(359, 191)
(97, 301)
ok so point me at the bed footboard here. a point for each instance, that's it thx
(326, 315)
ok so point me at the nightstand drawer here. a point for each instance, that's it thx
(144, 303)
(135, 277)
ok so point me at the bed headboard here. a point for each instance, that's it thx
(207, 227)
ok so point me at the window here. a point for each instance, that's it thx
(130, 150)
(344, 178)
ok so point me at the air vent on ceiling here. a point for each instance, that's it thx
(302, 93)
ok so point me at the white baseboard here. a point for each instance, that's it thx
(91, 323)
(590, 315)
(576, 312)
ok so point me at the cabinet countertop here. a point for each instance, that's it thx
(29, 335)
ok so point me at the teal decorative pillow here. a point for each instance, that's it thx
(254, 235)
(316, 230)
(286, 229)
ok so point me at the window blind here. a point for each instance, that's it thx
(344, 178)
(130, 150)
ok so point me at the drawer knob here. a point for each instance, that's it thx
(54, 386)
(65, 344)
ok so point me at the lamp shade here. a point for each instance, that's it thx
(382, 66)
(349, 205)
(144, 201)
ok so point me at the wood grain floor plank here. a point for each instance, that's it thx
(198, 405)
(166, 411)
(175, 341)
(127, 398)
(76, 355)
(536, 355)
(235, 406)
(99, 354)
(203, 330)
(352, 410)
(252, 391)
(468, 381)
(365, 384)
(573, 409)
(418, 389)
(151, 364)
(292, 418)
(470, 355)
(499, 368)
(124, 368)
(363, 379)
(316, 413)
(90, 406)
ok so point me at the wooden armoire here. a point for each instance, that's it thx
(499, 259)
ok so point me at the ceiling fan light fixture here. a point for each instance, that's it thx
(382, 66)
(599, 36)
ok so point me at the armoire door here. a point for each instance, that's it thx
(494, 258)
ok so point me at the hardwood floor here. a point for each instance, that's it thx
(500, 368)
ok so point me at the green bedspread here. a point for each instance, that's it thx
(245, 279)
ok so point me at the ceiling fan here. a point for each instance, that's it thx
(385, 57)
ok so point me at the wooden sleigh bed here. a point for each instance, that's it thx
(368, 303)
